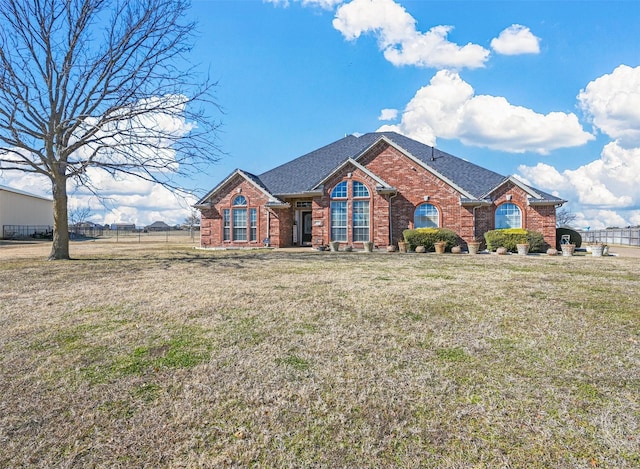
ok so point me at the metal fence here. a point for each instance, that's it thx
(85, 231)
(27, 232)
(621, 236)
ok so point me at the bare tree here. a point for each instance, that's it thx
(193, 219)
(79, 215)
(90, 85)
(564, 217)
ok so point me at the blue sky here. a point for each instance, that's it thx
(546, 90)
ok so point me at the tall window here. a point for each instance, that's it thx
(360, 215)
(508, 216)
(361, 220)
(426, 216)
(239, 222)
(338, 221)
(226, 224)
(253, 221)
(354, 195)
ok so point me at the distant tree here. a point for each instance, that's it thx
(79, 215)
(564, 217)
(100, 84)
(193, 219)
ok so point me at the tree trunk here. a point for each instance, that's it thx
(60, 246)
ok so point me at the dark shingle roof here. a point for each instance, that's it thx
(304, 173)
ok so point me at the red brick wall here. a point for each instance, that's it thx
(413, 183)
(378, 209)
(211, 229)
(541, 218)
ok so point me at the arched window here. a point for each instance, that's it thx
(340, 191)
(239, 221)
(426, 216)
(359, 190)
(240, 201)
(508, 216)
(355, 201)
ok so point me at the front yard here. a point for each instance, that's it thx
(164, 356)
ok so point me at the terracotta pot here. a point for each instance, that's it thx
(368, 246)
(523, 249)
(568, 249)
(473, 246)
(440, 247)
(402, 246)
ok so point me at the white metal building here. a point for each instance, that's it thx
(23, 214)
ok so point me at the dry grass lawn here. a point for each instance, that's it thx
(159, 355)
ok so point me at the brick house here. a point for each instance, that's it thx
(369, 188)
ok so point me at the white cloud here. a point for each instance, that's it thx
(388, 115)
(606, 191)
(515, 40)
(597, 188)
(126, 199)
(449, 108)
(399, 40)
(612, 103)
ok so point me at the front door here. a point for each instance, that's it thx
(307, 227)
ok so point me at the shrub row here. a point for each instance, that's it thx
(427, 237)
(510, 238)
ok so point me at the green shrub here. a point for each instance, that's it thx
(574, 237)
(510, 238)
(427, 237)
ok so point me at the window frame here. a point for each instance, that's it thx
(436, 222)
(239, 224)
(253, 224)
(350, 212)
(507, 217)
(226, 224)
(240, 221)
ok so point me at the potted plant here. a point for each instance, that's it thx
(597, 249)
(402, 246)
(473, 246)
(368, 246)
(440, 246)
(334, 246)
(523, 248)
(568, 249)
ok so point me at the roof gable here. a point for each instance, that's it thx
(251, 178)
(381, 183)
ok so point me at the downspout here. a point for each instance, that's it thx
(391, 219)
(268, 223)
